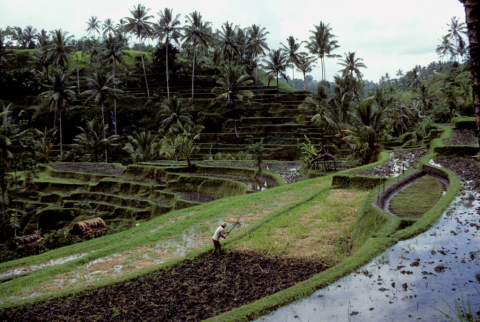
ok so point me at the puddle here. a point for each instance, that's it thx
(399, 162)
(254, 184)
(53, 262)
(412, 280)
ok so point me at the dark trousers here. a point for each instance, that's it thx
(216, 243)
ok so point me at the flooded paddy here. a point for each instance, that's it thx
(399, 162)
(423, 278)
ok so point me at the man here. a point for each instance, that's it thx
(220, 232)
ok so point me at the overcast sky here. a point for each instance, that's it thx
(388, 35)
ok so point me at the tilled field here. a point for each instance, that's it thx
(194, 290)
(468, 169)
(462, 137)
(405, 159)
(95, 168)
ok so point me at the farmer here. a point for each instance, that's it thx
(220, 232)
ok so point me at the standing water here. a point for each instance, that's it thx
(417, 279)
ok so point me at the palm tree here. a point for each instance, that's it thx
(5, 54)
(352, 65)
(445, 48)
(39, 58)
(113, 55)
(228, 41)
(90, 141)
(60, 48)
(168, 28)
(215, 61)
(195, 32)
(291, 50)
(108, 26)
(305, 65)
(139, 25)
(175, 111)
(322, 44)
(257, 42)
(42, 38)
(181, 145)
(29, 35)
(455, 31)
(413, 78)
(93, 26)
(142, 147)
(59, 92)
(367, 121)
(231, 82)
(276, 64)
(100, 88)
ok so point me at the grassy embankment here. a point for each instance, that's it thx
(417, 199)
(165, 238)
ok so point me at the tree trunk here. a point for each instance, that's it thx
(104, 134)
(144, 73)
(472, 17)
(304, 82)
(61, 138)
(293, 75)
(55, 116)
(256, 69)
(78, 79)
(114, 100)
(166, 58)
(278, 91)
(193, 72)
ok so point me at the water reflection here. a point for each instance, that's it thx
(412, 280)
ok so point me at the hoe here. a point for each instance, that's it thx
(234, 225)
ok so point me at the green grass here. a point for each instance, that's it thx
(263, 76)
(170, 227)
(317, 229)
(417, 199)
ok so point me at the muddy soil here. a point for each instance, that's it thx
(274, 166)
(468, 169)
(462, 137)
(194, 290)
(107, 169)
(291, 177)
(398, 161)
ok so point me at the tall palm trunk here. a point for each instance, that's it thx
(55, 116)
(78, 79)
(61, 137)
(293, 75)
(104, 134)
(193, 71)
(256, 69)
(144, 73)
(472, 17)
(278, 91)
(166, 58)
(114, 99)
(304, 82)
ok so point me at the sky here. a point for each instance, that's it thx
(387, 35)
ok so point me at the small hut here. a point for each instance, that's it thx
(88, 227)
(29, 242)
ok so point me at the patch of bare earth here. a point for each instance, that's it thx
(94, 168)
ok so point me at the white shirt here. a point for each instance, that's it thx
(220, 232)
